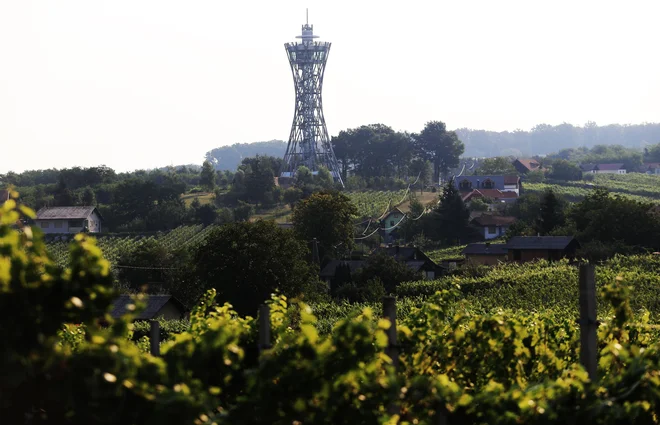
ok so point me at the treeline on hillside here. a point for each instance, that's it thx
(565, 164)
(137, 201)
(230, 157)
(544, 139)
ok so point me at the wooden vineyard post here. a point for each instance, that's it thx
(264, 328)
(154, 337)
(588, 322)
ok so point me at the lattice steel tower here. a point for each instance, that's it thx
(309, 144)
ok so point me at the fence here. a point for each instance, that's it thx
(587, 321)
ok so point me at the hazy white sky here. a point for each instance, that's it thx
(146, 83)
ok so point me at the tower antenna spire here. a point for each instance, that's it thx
(307, 16)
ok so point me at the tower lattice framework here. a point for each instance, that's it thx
(309, 144)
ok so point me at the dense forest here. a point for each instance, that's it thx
(543, 139)
(230, 157)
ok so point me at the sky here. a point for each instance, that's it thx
(136, 84)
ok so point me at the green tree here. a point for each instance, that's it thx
(565, 170)
(615, 219)
(259, 180)
(551, 213)
(292, 195)
(88, 197)
(247, 262)
(303, 178)
(152, 267)
(243, 211)
(497, 166)
(167, 215)
(449, 221)
(652, 153)
(441, 147)
(328, 217)
(387, 269)
(207, 176)
(206, 214)
(324, 178)
(423, 169)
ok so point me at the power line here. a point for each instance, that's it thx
(144, 268)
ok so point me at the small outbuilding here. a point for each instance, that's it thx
(69, 219)
(489, 254)
(529, 248)
(165, 306)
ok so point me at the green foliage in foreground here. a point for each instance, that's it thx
(499, 367)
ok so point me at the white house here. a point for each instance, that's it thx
(610, 169)
(603, 168)
(651, 167)
(493, 226)
(69, 219)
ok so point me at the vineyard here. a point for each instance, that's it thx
(113, 246)
(640, 187)
(373, 204)
(497, 346)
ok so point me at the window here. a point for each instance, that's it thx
(75, 223)
(516, 255)
(44, 225)
(465, 185)
(391, 222)
(58, 224)
(492, 230)
(488, 184)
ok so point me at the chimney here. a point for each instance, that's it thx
(477, 183)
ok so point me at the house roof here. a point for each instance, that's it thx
(610, 167)
(329, 269)
(511, 180)
(394, 210)
(648, 165)
(63, 213)
(587, 167)
(477, 181)
(493, 220)
(285, 225)
(415, 265)
(490, 193)
(540, 242)
(154, 303)
(530, 164)
(485, 249)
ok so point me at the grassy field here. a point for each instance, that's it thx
(280, 214)
(425, 198)
(203, 197)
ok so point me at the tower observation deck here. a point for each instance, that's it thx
(309, 144)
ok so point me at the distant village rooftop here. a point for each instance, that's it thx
(65, 213)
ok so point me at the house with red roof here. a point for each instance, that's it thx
(493, 194)
(525, 165)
